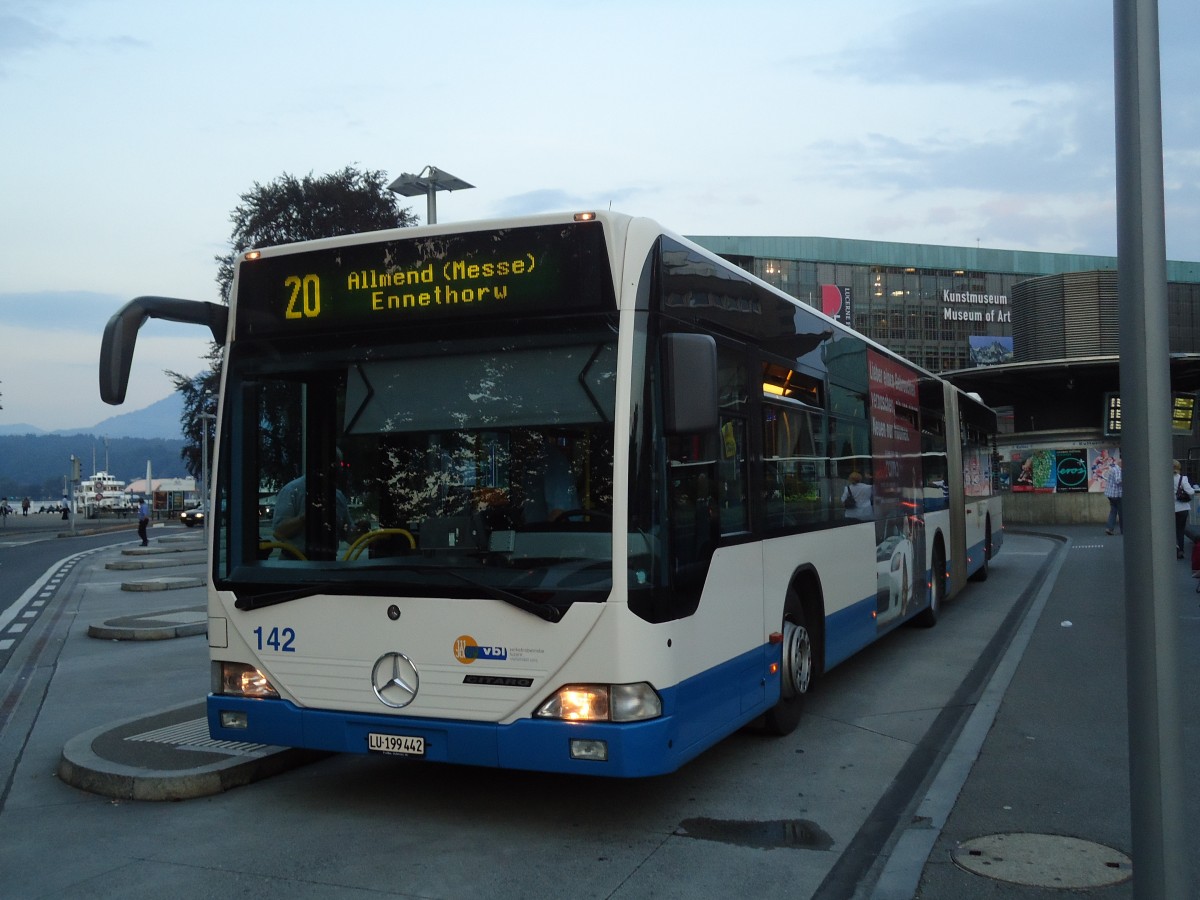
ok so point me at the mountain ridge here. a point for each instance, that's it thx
(158, 420)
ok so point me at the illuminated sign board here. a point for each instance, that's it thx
(1183, 408)
(388, 285)
(1112, 415)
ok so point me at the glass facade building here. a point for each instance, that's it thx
(944, 308)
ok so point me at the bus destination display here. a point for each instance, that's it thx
(394, 284)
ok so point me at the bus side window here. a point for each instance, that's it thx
(731, 490)
(797, 491)
(694, 511)
(733, 397)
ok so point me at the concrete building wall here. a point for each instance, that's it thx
(1055, 509)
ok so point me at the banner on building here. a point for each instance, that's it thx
(990, 351)
(835, 303)
(1033, 471)
(1071, 471)
(1100, 461)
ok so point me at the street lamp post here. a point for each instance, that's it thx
(205, 500)
(428, 182)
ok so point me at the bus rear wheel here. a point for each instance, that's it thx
(981, 574)
(796, 672)
(928, 617)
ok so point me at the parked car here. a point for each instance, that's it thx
(194, 516)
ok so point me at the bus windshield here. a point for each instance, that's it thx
(442, 469)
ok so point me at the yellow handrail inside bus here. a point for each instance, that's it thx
(284, 546)
(355, 550)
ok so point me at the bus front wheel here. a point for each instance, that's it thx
(796, 670)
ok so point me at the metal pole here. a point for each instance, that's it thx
(431, 206)
(205, 493)
(204, 464)
(1155, 740)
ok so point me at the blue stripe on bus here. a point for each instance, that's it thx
(697, 713)
(849, 630)
(977, 553)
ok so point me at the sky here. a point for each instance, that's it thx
(133, 128)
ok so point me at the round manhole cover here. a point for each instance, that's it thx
(1043, 860)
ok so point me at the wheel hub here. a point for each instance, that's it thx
(797, 659)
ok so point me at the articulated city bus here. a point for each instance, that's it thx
(563, 492)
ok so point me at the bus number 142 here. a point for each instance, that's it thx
(281, 640)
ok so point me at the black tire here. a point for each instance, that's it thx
(928, 617)
(796, 671)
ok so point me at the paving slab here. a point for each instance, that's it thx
(168, 755)
(153, 626)
(162, 562)
(163, 583)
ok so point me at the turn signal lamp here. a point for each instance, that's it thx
(242, 680)
(602, 703)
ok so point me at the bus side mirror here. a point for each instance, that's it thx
(690, 384)
(120, 335)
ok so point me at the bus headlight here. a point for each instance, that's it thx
(602, 703)
(242, 680)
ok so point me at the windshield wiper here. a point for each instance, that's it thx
(541, 610)
(286, 595)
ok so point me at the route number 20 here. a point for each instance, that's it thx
(305, 301)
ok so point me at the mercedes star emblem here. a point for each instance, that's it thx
(395, 680)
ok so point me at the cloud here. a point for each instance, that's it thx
(56, 311)
(22, 35)
(1053, 148)
(1024, 96)
(50, 369)
(51, 378)
(19, 35)
(1027, 42)
(556, 200)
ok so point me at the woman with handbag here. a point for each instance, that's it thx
(1183, 505)
(857, 499)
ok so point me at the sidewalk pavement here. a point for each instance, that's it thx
(1033, 795)
(16, 526)
(164, 755)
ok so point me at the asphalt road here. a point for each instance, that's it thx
(826, 812)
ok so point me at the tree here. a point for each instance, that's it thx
(199, 396)
(285, 211)
(290, 210)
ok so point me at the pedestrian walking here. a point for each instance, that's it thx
(143, 521)
(1183, 505)
(25, 507)
(1113, 487)
(66, 507)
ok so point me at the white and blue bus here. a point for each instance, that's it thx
(564, 493)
